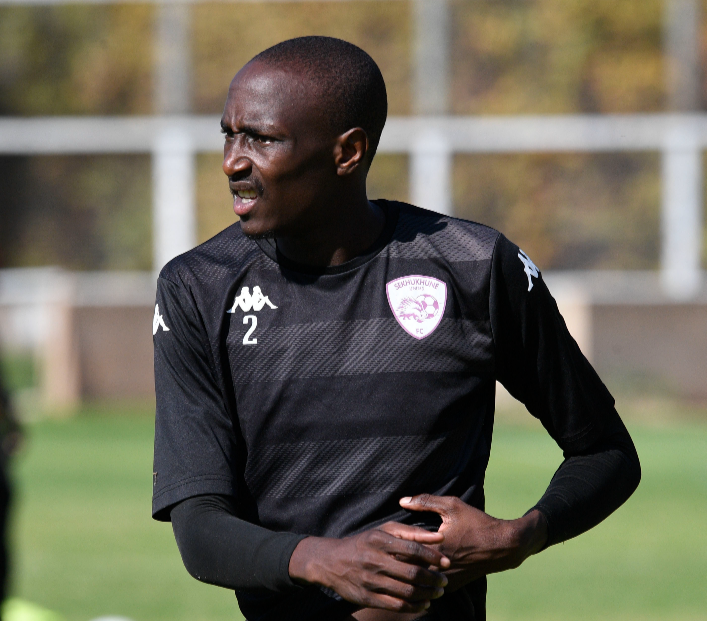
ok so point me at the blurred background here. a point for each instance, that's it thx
(576, 127)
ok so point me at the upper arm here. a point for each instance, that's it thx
(194, 435)
(537, 359)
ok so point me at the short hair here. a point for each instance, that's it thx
(352, 86)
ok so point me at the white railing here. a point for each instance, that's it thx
(431, 138)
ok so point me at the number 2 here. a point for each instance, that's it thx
(253, 320)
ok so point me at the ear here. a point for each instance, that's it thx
(350, 151)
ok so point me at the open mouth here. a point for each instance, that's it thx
(244, 201)
(246, 195)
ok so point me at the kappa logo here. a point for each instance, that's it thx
(417, 303)
(531, 271)
(247, 301)
(158, 321)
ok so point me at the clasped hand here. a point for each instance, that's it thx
(402, 568)
(393, 567)
(477, 544)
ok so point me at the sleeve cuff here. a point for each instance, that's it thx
(167, 497)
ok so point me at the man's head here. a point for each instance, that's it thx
(347, 81)
(302, 122)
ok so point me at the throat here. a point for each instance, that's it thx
(333, 246)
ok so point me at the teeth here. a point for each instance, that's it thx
(246, 194)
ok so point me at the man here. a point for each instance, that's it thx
(320, 447)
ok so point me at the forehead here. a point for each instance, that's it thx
(272, 96)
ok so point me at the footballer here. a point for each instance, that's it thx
(326, 371)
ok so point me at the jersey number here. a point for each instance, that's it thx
(253, 320)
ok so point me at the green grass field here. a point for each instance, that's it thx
(85, 545)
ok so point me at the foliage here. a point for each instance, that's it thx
(75, 59)
(554, 57)
(508, 57)
(570, 211)
(80, 212)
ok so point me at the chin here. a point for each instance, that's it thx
(265, 235)
(253, 231)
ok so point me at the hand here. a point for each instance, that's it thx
(476, 543)
(387, 567)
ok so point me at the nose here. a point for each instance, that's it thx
(234, 162)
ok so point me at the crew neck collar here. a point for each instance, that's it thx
(390, 212)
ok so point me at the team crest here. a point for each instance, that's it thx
(417, 303)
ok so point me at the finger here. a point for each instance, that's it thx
(416, 575)
(417, 553)
(444, 505)
(394, 604)
(412, 533)
(410, 593)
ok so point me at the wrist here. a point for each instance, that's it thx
(531, 533)
(303, 568)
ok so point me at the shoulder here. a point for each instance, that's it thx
(210, 262)
(421, 233)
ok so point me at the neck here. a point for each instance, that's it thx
(341, 232)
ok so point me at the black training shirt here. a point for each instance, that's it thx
(317, 398)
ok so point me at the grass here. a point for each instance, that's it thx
(85, 545)
(647, 561)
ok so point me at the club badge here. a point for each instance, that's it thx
(417, 303)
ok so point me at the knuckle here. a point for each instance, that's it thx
(369, 560)
(412, 548)
(408, 591)
(377, 536)
(367, 583)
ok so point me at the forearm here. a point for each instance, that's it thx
(588, 487)
(221, 549)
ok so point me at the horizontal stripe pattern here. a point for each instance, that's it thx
(363, 346)
(345, 467)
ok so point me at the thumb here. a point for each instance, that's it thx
(427, 502)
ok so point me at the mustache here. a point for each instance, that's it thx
(254, 181)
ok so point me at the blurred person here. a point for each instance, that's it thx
(321, 442)
(10, 438)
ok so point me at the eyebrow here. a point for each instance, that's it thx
(248, 129)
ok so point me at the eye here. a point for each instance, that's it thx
(227, 131)
(260, 138)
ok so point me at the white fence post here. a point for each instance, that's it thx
(173, 159)
(681, 34)
(681, 224)
(431, 172)
(431, 157)
(681, 159)
(173, 187)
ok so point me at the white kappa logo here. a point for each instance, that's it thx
(417, 303)
(245, 301)
(158, 321)
(530, 268)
